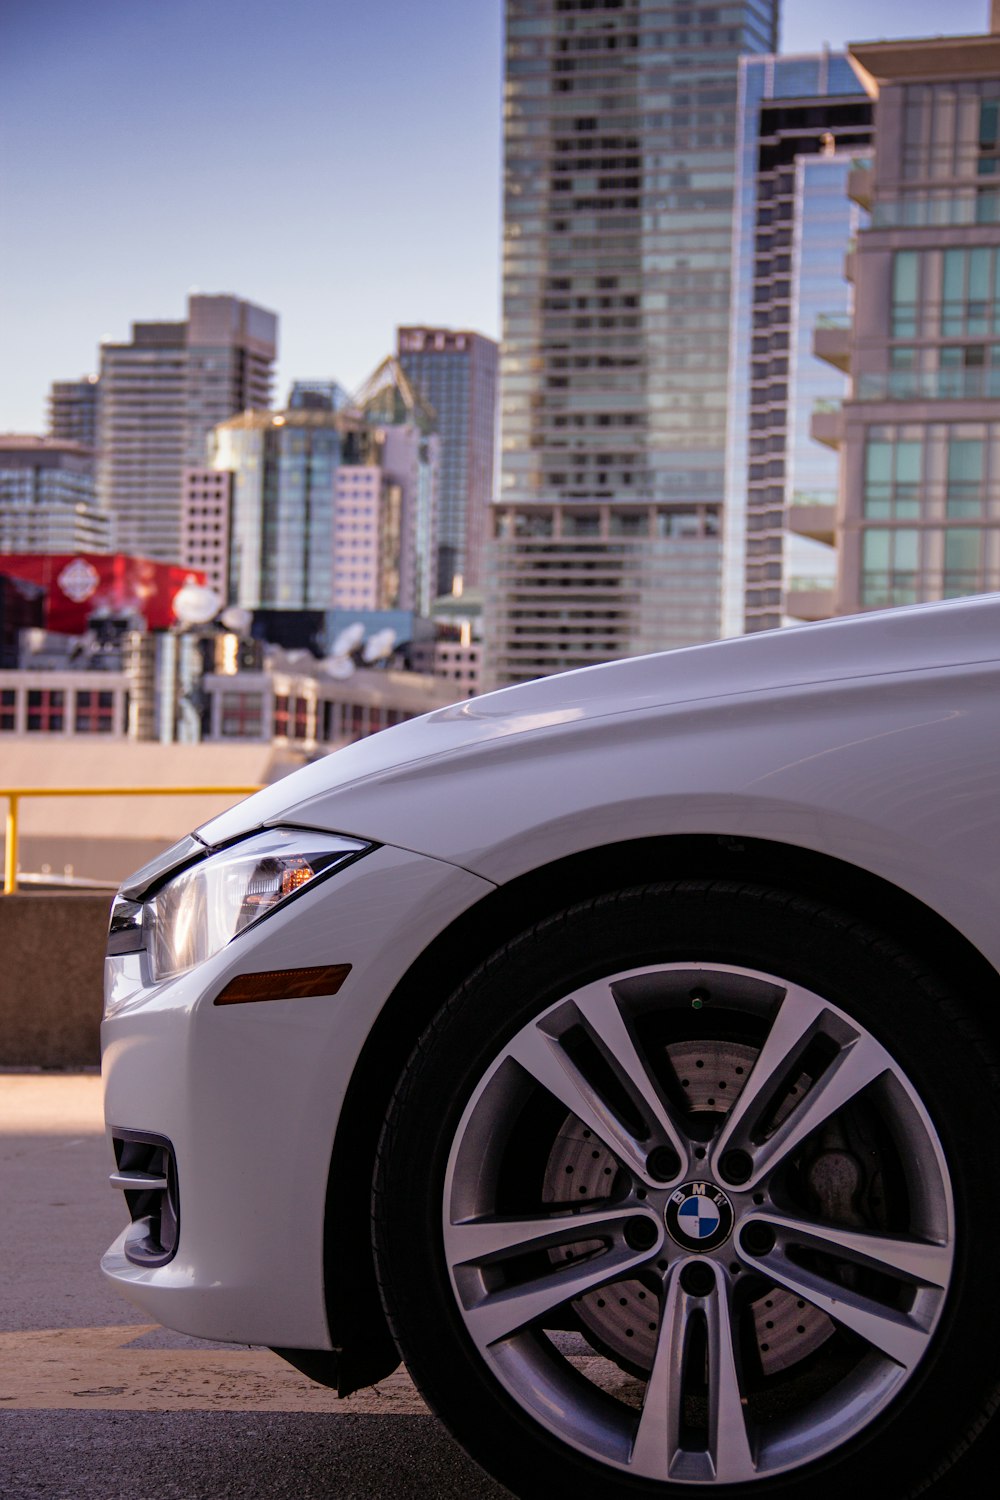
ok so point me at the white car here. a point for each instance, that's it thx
(620, 1050)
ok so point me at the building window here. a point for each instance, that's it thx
(963, 558)
(889, 567)
(893, 473)
(291, 717)
(242, 716)
(8, 709)
(965, 473)
(968, 292)
(94, 713)
(281, 714)
(46, 710)
(905, 283)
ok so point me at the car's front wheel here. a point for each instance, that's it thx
(693, 1189)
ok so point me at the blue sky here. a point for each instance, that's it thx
(335, 160)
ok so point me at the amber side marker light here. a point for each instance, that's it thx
(283, 984)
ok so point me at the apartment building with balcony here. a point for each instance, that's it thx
(919, 434)
(803, 120)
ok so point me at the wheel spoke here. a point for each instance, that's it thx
(921, 1262)
(657, 1449)
(887, 1329)
(476, 1241)
(601, 1012)
(494, 1315)
(543, 1056)
(658, 1436)
(858, 1061)
(729, 1444)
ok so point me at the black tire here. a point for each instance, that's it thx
(468, 1125)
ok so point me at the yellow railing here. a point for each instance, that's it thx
(15, 795)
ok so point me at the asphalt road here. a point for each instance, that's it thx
(96, 1405)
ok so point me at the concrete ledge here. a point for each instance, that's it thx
(51, 978)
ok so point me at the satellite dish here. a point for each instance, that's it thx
(340, 667)
(379, 645)
(237, 619)
(349, 639)
(196, 604)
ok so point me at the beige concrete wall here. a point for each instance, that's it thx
(51, 979)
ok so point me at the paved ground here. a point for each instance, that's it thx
(94, 1405)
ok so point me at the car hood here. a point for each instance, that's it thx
(346, 790)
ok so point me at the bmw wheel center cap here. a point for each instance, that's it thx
(699, 1216)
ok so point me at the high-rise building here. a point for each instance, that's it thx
(409, 452)
(802, 121)
(73, 410)
(456, 371)
(619, 168)
(161, 395)
(284, 468)
(919, 436)
(47, 500)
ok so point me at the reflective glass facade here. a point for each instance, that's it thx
(801, 121)
(619, 133)
(284, 469)
(456, 371)
(619, 129)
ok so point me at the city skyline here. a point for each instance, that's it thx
(315, 170)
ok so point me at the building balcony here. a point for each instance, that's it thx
(929, 385)
(850, 258)
(831, 340)
(827, 424)
(861, 183)
(813, 515)
(809, 598)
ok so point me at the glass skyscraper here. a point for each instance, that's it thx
(802, 123)
(619, 139)
(456, 371)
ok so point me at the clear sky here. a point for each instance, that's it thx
(335, 160)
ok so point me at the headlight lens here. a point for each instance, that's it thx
(207, 905)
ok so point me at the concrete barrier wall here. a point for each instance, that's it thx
(51, 978)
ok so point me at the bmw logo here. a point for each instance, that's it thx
(699, 1216)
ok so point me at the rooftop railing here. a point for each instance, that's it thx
(17, 794)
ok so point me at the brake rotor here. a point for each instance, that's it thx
(622, 1319)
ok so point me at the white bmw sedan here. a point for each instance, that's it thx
(619, 1050)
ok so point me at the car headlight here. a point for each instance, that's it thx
(200, 910)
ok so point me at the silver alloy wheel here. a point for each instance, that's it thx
(815, 1183)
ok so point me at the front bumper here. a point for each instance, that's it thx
(249, 1096)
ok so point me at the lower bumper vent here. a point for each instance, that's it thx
(147, 1174)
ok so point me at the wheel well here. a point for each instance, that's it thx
(354, 1312)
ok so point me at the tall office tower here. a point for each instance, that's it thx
(47, 501)
(284, 468)
(161, 395)
(919, 437)
(456, 371)
(619, 139)
(406, 431)
(802, 122)
(73, 410)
